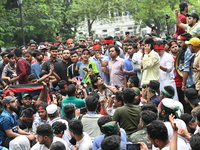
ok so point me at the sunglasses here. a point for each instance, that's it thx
(82, 40)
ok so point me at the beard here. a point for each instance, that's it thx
(40, 59)
(13, 109)
(66, 58)
(192, 130)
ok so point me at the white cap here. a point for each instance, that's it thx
(52, 108)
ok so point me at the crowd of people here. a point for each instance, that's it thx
(112, 94)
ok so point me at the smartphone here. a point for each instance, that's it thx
(133, 147)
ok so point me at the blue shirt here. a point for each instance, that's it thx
(103, 75)
(7, 121)
(128, 66)
(155, 99)
(97, 140)
(80, 68)
(188, 64)
(36, 69)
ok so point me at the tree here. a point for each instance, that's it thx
(152, 12)
(88, 11)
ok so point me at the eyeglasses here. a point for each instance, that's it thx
(82, 40)
(69, 43)
(129, 48)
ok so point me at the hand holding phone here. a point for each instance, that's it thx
(133, 147)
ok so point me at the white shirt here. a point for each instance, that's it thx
(39, 146)
(85, 143)
(167, 77)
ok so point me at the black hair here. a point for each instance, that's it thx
(31, 77)
(70, 90)
(10, 55)
(18, 52)
(182, 6)
(95, 94)
(45, 129)
(128, 95)
(158, 42)
(60, 50)
(43, 73)
(187, 118)
(32, 42)
(134, 45)
(170, 90)
(57, 145)
(149, 40)
(109, 38)
(77, 126)
(148, 116)
(28, 111)
(58, 127)
(194, 141)
(119, 96)
(69, 110)
(103, 120)
(3, 54)
(149, 106)
(157, 130)
(61, 84)
(73, 52)
(43, 105)
(36, 53)
(111, 143)
(54, 47)
(116, 49)
(197, 114)
(135, 80)
(91, 103)
(129, 40)
(94, 79)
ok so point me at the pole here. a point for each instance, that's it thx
(22, 23)
(167, 27)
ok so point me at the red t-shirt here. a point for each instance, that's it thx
(179, 30)
(178, 79)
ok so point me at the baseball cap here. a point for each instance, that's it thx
(8, 99)
(26, 94)
(194, 41)
(192, 96)
(193, 15)
(42, 47)
(51, 109)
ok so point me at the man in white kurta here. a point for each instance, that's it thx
(166, 72)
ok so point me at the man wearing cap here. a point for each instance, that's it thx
(9, 128)
(53, 114)
(182, 16)
(194, 45)
(192, 27)
(82, 40)
(26, 102)
(191, 97)
(45, 138)
(166, 72)
(100, 59)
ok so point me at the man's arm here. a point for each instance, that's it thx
(178, 22)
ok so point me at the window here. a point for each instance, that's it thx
(117, 29)
(104, 30)
(130, 28)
